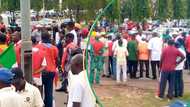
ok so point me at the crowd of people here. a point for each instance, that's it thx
(118, 52)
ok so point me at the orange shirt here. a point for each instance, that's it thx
(143, 51)
(51, 55)
(38, 56)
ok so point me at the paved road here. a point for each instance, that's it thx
(60, 99)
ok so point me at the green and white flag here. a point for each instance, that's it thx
(8, 57)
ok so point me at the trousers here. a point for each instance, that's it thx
(96, 68)
(167, 76)
(123, 68)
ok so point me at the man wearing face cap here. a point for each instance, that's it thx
(9, 98)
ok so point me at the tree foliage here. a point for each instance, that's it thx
(178, 9)
(137, 10)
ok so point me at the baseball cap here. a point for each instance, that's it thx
(6, 76)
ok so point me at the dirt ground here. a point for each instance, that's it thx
(135, 93)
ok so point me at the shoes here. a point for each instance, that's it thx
(61, 90)
(103, 75)
(159, 98)
(169, 97)
(154, 78)
(147, 77)
(108, 76)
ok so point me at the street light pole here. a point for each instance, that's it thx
(26, 45)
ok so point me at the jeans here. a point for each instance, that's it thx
(132, 66)
(142, 63)
(179, 86)
(47, 80)
(155, 65)
(122, 67)
(164, 77)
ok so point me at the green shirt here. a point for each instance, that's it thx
(132, 49)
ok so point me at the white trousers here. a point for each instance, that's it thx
(122, 68)
(106, 65)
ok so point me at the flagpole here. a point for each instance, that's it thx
(88, 42)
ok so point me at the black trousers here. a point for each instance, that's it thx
(132, 67)
(142, 64)
(155, 65)
(47, 80)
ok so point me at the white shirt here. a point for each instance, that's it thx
(9, 98)
(31, 96)
(155, 45)
(75, 36)
(115, 44)
(121, 53)
(181, 65)
(80, 91)
(57, 38)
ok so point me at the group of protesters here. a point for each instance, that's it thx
(58, 55)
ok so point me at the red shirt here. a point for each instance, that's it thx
(65, 53)
(18, 52)
(51, 55)
(97, 46)
(110, 45)
(187, 43)
(169, 58)
(37, 59)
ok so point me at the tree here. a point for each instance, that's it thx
(188, 8)
(164, 9)
(10, 5)
(138, 10)
(178, 9)
(37, 5)
(51, 4)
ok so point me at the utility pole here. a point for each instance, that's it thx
(26, 45)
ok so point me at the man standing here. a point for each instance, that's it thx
(80, 93)
(168, 64)
(97, 60)
(143, 55)
(9, 98)
(30, 94)
(66, 59)
(155, 47)
(38, 64)
(132, 57)
(51, 55)
(71, 29)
